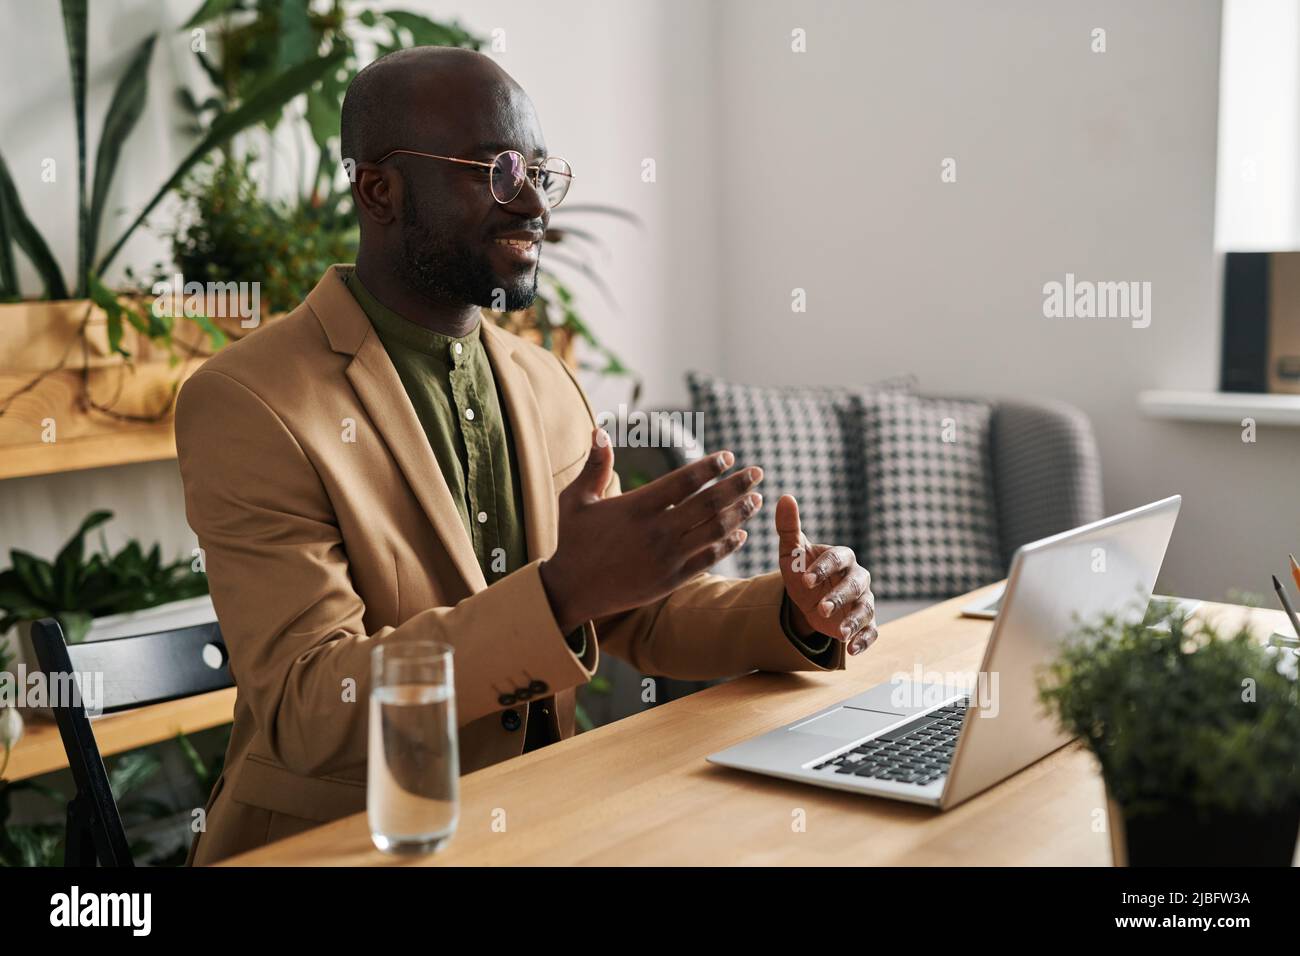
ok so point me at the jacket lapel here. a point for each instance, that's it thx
(541, 520)
(376, 383)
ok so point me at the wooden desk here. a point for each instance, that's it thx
(639, 791)
(41, 750)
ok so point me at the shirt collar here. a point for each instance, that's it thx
(451, 349)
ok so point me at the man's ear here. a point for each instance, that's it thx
(377, 191)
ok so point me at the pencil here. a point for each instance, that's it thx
(1286, 604)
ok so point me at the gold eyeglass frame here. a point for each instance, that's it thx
(534, 170)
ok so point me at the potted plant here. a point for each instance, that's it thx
(104, 594)
(67, 360)
(229, 231)
(1197, 733)
(123, 114)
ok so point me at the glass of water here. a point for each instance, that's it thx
(413, 768)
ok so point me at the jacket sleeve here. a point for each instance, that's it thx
(291, 618)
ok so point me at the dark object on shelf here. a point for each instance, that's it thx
(136, 671)
(1245, 322)
(1261, 322)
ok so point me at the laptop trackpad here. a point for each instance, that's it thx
(846, 723)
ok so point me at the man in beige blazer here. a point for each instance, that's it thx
(347, 467)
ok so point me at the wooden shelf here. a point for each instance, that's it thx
(1227, 407)
(129, 446)
(85, 438)
(42, 353)
(41, 750)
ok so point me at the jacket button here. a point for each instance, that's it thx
(538, 687)
(522, 693)
(510, 720)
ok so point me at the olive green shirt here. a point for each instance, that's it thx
(451, 386)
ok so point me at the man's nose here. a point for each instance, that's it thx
(531, 203)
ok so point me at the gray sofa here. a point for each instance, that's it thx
(1047, 479)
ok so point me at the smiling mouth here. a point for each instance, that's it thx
(521, 252)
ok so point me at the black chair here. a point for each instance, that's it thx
(134, 671)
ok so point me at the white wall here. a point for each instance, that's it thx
(1100, 164)
(1097, 164)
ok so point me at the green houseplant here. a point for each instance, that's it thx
(41, 340)
(229, 232)
(124, 111)
(255, 39)
(1197, 732)
(75, 589)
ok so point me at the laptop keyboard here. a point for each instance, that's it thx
(919, 752)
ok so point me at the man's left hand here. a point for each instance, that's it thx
(830, 592)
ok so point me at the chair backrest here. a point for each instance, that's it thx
(110, 676)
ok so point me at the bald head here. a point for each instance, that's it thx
(433, 235)
(410, 98)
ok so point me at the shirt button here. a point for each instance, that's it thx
(469, 414)
(458, 348)
(511, 720)
(482, 517)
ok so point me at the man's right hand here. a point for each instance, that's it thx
(617, 554)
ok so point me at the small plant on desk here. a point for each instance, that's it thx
(1197, 732)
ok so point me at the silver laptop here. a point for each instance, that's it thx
(939, 743)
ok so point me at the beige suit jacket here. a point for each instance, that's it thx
(326, 527)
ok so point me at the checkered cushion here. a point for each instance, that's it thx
(808, 442)
(930, 512)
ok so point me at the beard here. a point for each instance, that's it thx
(432, 264)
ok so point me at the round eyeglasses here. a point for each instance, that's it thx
(508, 171)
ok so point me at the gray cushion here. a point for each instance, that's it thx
(1046, 470)
(808, 442)
(931, 518)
